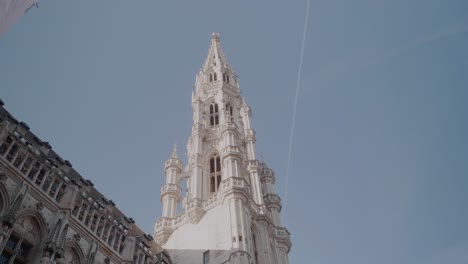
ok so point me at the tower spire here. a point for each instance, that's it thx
(215, 58)
(224, 206)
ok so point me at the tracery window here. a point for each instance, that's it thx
(27, 165)
(40, 177)
(229, 112)
(19, 244)
(16, 250)
(76, 208)
(34, 170)
(214, 114)
(226, 77)
(19, 159)
(12, 152)
(83, 210)
(6, 145)
(215, 173)
(213, 76)
(54, 187)
(60, 193)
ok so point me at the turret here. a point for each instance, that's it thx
(271, 199)
(171, 192)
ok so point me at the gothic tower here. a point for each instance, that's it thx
(230, 213)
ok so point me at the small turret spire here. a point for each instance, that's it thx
(174, 152)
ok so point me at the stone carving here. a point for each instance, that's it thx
(76, 238)
(39, 206)
(4, 232)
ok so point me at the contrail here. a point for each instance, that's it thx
(298, 85)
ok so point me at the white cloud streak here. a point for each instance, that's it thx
(296, 98)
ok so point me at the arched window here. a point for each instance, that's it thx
(16, 248)
(214, 76)
(214, 114)
(211, 77)
(229, 111)
(226, 77)
(21, 241)
(215, 173)
(6, 145)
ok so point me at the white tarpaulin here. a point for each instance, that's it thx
(11, 11)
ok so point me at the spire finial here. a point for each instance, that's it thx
(215, 36)
(174, 151)
(215, 58)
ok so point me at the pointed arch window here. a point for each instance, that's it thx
(229, 113)
(229, 109)
(215, 173)
(20, 246)
(16, 249)
(214, 114)
(226, 77)
(213, 77)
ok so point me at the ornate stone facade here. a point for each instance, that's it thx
(49, 213)
(231, 213)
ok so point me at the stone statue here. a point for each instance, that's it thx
(46, 258)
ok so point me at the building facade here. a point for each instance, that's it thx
(230, 211)
(49, 213)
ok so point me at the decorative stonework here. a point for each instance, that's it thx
(230, 199)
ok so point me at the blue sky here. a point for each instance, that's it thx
(379, 170)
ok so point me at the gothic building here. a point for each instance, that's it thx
(230, 211)
(49, 213)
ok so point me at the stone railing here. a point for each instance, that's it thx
(171, 188)
(196, 158)
(282, 233)
(252, 164)
(173, 162)
(268, 172)
(229, 126)
(230, 150)
(234, 182)
(163, 222)
(194, 203)
(212, 201)
(271, 198)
